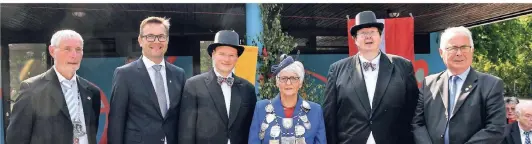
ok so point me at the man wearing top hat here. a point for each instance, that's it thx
(370, 97)
(217, 106)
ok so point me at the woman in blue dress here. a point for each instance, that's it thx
(287, 118)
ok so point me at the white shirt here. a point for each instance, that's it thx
(459, 83)
(370, 77)
(148, 63)
(226, 90)
(522, 133)
(84, 139)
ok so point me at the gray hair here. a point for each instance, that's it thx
(449, 33)
(296, 67)
(522, 106)
(65, 34)
(511, 100)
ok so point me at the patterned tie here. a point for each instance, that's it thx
(527, 137)
(452, 95)
(159, 89)
(229, 80)
(70, 97)
(368, 65)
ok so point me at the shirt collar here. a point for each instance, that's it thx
(62, 78)
(462, 76)
(148, 63)
(376, 60)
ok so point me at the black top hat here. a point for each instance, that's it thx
(226, 38)
(284, 63)
(365, 19)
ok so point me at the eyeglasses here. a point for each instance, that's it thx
(151, 38)
(367, 34)
(285, 79)
(455, 49)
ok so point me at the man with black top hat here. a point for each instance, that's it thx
(370, 97)
(217, 106)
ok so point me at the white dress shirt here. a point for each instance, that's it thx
(84, 139)
(148, 63)
(370, 77)
(226, 90)
(522, 133)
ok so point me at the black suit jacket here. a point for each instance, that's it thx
(203, 116)
(135, 116)
(478, 117)
(512, 134)
(40, 114)
(348, 115)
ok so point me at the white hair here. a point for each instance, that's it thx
(522, 106)
(65, 34)
(296, 67)
(449, 33)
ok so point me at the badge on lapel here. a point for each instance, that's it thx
(468, 87)
(89, 98)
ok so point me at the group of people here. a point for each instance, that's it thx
(370, 98)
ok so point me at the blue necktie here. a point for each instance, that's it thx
(452, 95)
(527, 137)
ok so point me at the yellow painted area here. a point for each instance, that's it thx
(24, 71)
(247, 64)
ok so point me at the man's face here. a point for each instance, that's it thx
(224, 58)
(67, 55)
(525, 118)
(458, 55)
(368, 39)
(153, 40)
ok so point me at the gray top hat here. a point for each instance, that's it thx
(365, 19)
(226, 38)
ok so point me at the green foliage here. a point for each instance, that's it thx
(276, 42)
(504, 49)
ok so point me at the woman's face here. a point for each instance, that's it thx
(289, 83)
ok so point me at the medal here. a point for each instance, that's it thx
(269, 108)
(301, 140)
(76, 140)
(275, 131)
(306, 106)
(269, 118)
(307, 125)
(274, 141)
(288, 123)
(300, 130)
(78, 128)
(263, 127)
(288, 140)
(261, 135)
(304, 118)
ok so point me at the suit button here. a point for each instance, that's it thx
(441, 136)
(370, 122)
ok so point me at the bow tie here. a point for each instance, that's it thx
(368, 65)
(229, 81)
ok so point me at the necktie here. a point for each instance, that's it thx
(527, 137)
(159, 89)
(70, 98)
(228, 80)
(452, 95)
(368, 65)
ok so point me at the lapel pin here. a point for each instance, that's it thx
(89, 98)
(170, 81)
(466, 89)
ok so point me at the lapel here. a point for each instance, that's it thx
(516, 133)
(86, 101)
(443, 90)
(357, 79)
(383, 79)
(56, 92)
(470, 84)
(215, 90)
(236, 99)
(171, 81)
(146, 83)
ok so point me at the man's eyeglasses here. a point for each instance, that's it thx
(455, 49)
(285, 79)
(151, 38)
(367, 34)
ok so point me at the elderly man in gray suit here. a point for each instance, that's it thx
(459, 105)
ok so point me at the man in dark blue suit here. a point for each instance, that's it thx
(146, 93)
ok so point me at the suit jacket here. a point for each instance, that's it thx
(314, 135)
(203, 116)
(348, 115)
(40, 114)
(512, 134)
(479, 114)
(135, 116)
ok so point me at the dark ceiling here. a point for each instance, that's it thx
(208, 18)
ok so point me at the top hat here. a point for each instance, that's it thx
(365, 19)
(226, 38)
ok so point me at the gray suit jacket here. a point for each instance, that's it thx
(135, 116)
(479, 116)
(40, 114)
